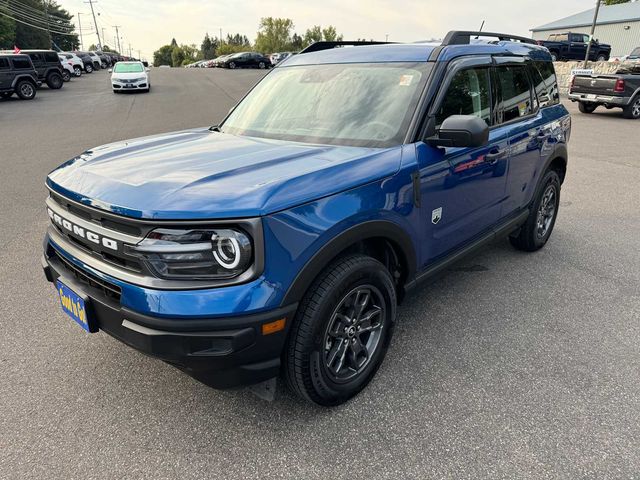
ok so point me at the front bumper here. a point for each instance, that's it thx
(220, 352)
(604, 99)
(130, 86)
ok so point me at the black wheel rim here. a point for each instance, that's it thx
(26, 89)
(354, 332)
(546, 211)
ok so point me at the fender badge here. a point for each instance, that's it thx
(436, 215)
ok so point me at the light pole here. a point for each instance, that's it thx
(593, 29)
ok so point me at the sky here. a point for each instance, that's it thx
(149, 24)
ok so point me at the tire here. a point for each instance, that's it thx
(601, 58)
(66, 76)
(54, 81)
(632, 110)
(88, 68)
(587, 107)
(554, 56)
(6, 94)
(262, 65)
(232, 65)
(535, 232)
(26, 90)
(326, 360)
(77, 71)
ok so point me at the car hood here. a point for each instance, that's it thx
(203, 174)
(128, 76)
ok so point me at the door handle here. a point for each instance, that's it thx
(494, 156)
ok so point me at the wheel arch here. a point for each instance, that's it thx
(381, 239)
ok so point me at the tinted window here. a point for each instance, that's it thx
(468, 94)
(35, 57)
(51, 57)
(515, 93)
(21, 63)
(635, 53)
(562, 38)
(4, 64)
(545, 83)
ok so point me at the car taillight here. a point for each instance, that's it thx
(619, 85)
(539, 42)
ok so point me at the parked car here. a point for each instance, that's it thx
(246, 60)
(573, 46)
(47, 64)
(97, 61)
(276, 58)
(634, 55)
(282, 240)
(76, 62)
(105, 60)
(87, 61)
(17, 75)
(67, 68)
(620, 90)
(130, 76)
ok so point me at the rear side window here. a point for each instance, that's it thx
(51, 57)
(35, 57)
(468, 94)
(545, 83)
(21, 63)
(515, 91)
(4, 64)
(562, 38)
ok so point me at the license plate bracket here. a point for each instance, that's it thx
(77, 306)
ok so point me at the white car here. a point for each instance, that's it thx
(130, 76)
(76, 62)
(97, 61)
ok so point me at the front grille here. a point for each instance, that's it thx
(108, 289)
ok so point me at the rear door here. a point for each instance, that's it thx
(462, 189)
(6, 76)
(578, 45)
(38, 63)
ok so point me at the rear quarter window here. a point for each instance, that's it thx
(4, 64)
(21, 64)
(545, 83)
(51, 57)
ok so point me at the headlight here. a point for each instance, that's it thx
(197, 254)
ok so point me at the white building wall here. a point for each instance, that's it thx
(622, 40)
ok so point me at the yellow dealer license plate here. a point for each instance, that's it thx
(75, 306)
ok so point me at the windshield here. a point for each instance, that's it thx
(635, 53)
(342, 104)
(127, 68)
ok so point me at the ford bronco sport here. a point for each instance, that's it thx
(282, 240)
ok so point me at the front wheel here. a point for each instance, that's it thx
(633, 109)
(341, 331)
(587, 107)
(26, 90)
(88, 68)
(601, 58)
(262, 65)
(232, 65)
(537, 229)
(77, 71)
(66, 76)
(554, 56)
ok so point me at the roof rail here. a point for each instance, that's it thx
(460, 37)
(317, 46)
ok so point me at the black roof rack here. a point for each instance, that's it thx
(460, 37)
(317, 46)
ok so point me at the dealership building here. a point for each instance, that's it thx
(618, 25)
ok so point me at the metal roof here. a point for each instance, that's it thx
(623, 12)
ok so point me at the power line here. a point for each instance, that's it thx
(35, 26)
(37, 15)
(38, 20)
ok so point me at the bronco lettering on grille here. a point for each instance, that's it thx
(82, 232)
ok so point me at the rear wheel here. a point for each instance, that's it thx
(54, 81)
(26, 90)
(232, 64)
(633, 109)
(554, 56)
(66, 76)
(88, 68)
(341, 331)
(601, 58)
(535, 232)
(77, 71)
(262, 65)
(585, 107)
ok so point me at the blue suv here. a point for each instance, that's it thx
(280, 242)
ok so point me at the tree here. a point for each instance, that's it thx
(318, 34)
(60, 21)
(7, 31)
(274, 34)
(174, 43)
(330, 34)
(208, 47)
(615, 2)
(162, 56)
(296, 42)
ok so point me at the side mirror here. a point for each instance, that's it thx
(110, 70)
(461, 131)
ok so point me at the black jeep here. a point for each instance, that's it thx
(17, 75)
(47, 64)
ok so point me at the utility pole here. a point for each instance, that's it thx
(139, 56)
(130, 50)
(593, 29)
(118, 38)
(90, 2)
(80, 30)
(46, 12)
(221, 35)
(103, 38)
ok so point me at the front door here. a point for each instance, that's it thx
(5, 74)
(462, 189)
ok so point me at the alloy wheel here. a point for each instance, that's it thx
(353, 333)
(635, 109)
(546, 211)
(26, 89)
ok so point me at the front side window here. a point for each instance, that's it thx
(128, 68)
(51, 57)
(353, 104)
(21, 63)
(468, 94)
(515, 93)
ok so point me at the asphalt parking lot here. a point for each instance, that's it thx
(511, 365)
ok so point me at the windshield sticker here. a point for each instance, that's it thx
(405, 80)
